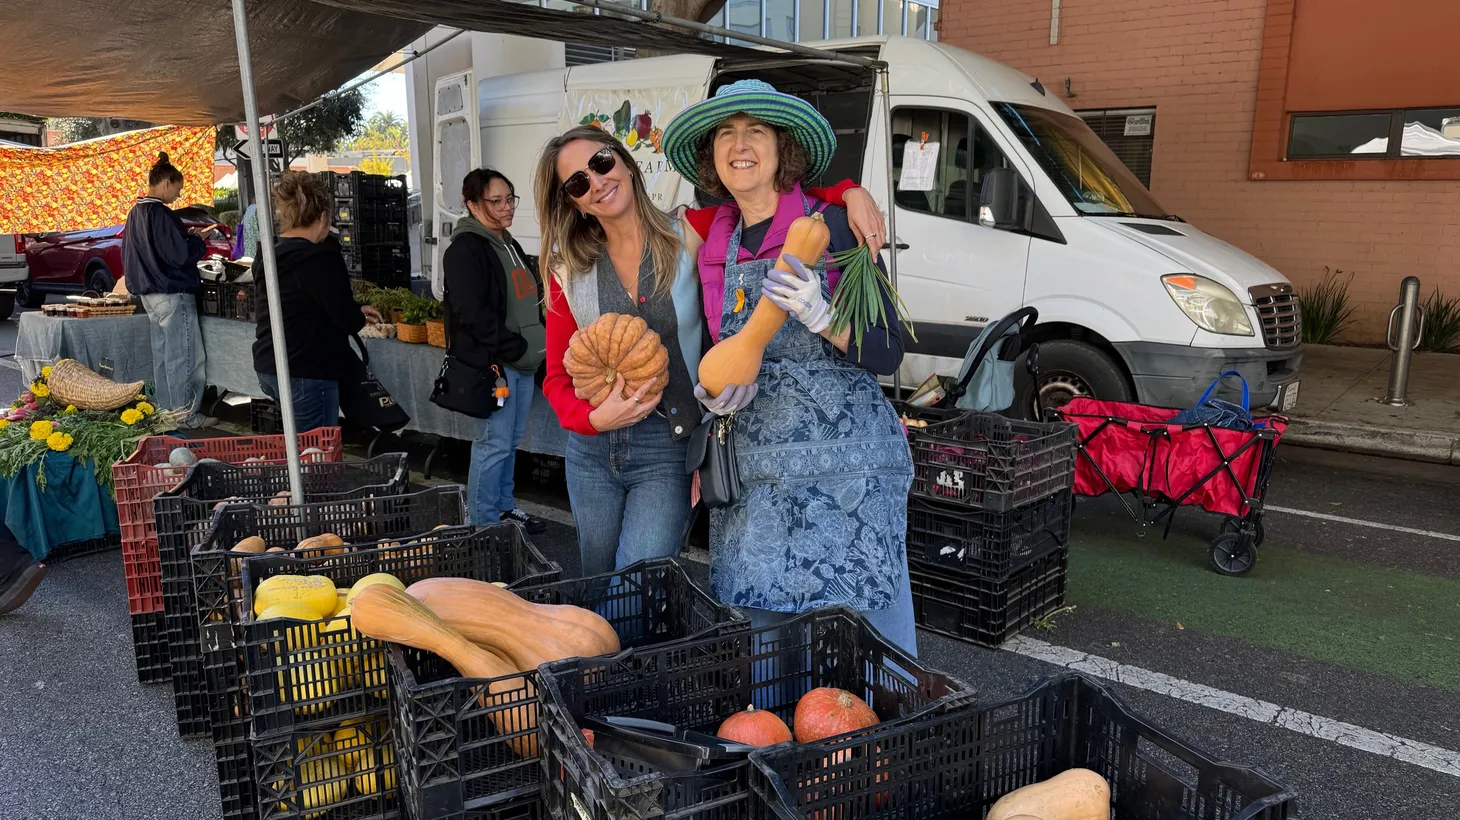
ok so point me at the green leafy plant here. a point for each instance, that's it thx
(1441, 331)
(387, 299)
(1327, 311)
(858, 303)
(418, 311)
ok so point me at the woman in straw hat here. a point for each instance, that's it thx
(824, 462)
(608, 249)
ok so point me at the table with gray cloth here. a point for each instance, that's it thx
(408, 371)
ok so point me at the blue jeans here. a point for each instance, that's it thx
(316, 401)
(489, 484)
(177, 353)
(630, 495)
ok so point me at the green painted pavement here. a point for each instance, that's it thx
(1399, 624)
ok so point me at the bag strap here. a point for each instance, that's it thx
(1246, 399)
(364, 354)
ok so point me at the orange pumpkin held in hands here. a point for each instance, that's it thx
(827, 712)
(616, 344)
(754, 727)
(736, 360)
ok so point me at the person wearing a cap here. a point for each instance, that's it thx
(607, 249)
(824, 463)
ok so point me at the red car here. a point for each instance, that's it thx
(77, 261)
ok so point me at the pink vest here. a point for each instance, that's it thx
(712, 261)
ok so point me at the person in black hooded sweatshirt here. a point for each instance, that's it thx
(319, 310)
(160, 262)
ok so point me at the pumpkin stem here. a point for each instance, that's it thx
(843, 698)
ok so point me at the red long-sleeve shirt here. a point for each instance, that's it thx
(572, 411)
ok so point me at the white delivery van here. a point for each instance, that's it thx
(13, 270)
(1020, 203)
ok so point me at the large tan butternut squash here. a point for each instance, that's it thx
(482, 611)
(1077, 794)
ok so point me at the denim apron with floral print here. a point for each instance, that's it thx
(825, 473)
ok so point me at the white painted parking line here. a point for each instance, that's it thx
(1383, 744)
(1359, 522)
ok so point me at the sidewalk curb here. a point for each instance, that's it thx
(1415, 445)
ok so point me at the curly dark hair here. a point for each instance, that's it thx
(794, 163)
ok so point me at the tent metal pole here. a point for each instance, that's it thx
(260, 168)
(891, 238)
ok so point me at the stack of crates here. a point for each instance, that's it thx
(988, 524)
(372, 220)
(145, 473)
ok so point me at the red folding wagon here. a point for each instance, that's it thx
(1134, 449)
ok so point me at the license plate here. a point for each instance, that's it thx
(1288, 398)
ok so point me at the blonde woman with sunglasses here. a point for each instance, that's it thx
(607, 249)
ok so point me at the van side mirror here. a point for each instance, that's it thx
(998, 201)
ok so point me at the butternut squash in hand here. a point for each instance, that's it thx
(480, 611)
(736, 360)
(388, 614)
(1077, 794)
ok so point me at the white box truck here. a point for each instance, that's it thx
(1014, 201)
(13, 270)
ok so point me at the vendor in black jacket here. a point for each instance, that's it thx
(319, 310)
(494, 318)
(160, 263)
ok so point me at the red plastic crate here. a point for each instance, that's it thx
(137, 480)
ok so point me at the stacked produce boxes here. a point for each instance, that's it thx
(371, 221)
(989, 524)
(145, 473)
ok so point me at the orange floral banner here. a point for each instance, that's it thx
(93, 184)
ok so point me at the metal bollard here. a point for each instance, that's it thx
(1411, 327)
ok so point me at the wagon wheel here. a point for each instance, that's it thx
(1234, 524)
(1233, 553)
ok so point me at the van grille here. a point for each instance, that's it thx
(1282, 318)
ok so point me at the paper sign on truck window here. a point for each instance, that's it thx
(919, 166)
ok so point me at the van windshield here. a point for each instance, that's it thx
(1081, 165)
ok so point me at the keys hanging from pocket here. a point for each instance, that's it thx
(501, 392)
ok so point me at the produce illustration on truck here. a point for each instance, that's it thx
(637, 131)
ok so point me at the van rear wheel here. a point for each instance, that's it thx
(1069, 370)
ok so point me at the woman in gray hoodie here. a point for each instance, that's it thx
(494, 317)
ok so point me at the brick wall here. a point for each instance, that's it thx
(1196, 61)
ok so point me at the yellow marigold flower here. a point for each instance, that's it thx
(59, 442)
(40, 390)
(130, 416)
(146, 408)
(4, 423)
(139, 397)
(40, 430)
(46, 372)
(70, 408)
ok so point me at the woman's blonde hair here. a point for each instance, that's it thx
(300, 199)
(573, 242)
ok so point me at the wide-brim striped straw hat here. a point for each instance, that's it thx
(760, 100)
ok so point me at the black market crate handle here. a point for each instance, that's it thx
(984, 461)
(961, 758)
(298, 671)
(455, 757)
(696, 685)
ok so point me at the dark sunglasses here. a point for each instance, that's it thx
(600, 163)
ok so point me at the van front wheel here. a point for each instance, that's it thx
(1070, 370)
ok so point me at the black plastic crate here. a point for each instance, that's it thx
(265, 418)
(81, 549)
(983, 544)
(987, 462)
(987, 613)
(696, 685)
(367, 233)
(351, 210)
(376, 261)
(527, 808)
(186, 516)
(339, 770)
(360, 185)
(149, 644)
(298, 671)
(455, 761)
(210, 297)
(958, 763)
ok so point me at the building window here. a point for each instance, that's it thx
(965, 153)
(1130, 133)
(1415, 133)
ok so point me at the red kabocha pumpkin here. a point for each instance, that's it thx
(754, 727)
(827, 712)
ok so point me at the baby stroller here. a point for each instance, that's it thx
(985, 381)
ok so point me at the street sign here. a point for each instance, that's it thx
(240, 132)
(274, 149)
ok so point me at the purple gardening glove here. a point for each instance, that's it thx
(734, 397)
(799, 294)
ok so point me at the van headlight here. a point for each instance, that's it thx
(1210, 305)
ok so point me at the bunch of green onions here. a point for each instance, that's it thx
(858, 301)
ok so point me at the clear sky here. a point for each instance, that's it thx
(387, 94)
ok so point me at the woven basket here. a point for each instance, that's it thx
(72, 382)
(436, 332)
(415, 334)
